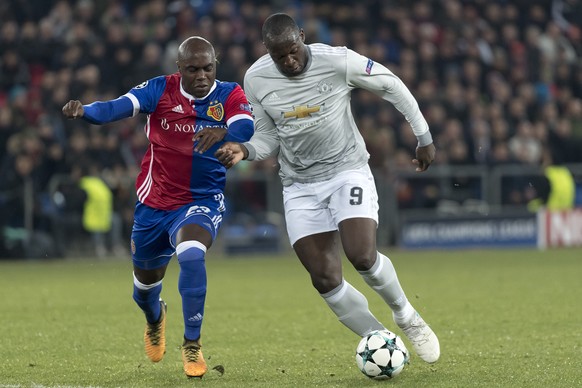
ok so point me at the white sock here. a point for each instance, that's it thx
(383, 279)
(351, 308)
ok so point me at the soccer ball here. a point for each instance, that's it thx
(381, 355)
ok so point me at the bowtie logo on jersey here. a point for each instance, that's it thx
(302, 111)
(216, 111)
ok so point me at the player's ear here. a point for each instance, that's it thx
(302, 35)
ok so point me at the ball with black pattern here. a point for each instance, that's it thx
(381, 355)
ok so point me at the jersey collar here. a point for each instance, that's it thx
(191, 97)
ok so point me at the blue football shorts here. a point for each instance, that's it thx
(153, 237)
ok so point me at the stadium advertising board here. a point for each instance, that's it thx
(560, 228)
(469, 232)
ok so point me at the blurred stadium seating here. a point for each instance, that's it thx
(500, 83)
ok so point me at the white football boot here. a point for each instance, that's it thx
(423, 339)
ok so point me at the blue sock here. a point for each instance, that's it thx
(147, 297)
(192, 286)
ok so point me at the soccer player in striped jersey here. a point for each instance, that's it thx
(180, 187)
(300, 96)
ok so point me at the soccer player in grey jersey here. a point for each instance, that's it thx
(300, 95)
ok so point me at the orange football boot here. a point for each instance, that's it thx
(194, 363)
(155, 336)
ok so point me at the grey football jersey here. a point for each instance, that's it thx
(306, 120)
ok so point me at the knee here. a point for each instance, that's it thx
(362, 261)
(149, 277)
(325, 281)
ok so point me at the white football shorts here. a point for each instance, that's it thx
(312, 208)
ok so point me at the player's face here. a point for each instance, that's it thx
(198, 73)
(289, 55)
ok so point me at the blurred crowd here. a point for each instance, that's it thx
(499, 81)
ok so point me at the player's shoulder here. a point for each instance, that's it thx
(225, 89)
(328, 57)
(322, 49)
(228, 93)
(264, 63)
(171, 80)
(156, 82)
(226, 86)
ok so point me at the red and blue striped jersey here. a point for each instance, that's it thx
(172, 174)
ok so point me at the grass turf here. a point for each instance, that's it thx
(504, 318)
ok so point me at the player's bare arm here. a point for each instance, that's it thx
(424, 157)
(231, 153)
(207, 137)
(73, 109)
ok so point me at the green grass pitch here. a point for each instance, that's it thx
(505, 318)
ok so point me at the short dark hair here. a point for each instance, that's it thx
(277, 25)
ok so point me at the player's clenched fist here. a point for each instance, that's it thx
(230, 154)
(424, 157)
(73, 109)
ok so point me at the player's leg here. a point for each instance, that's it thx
(381, 276)
(314, 238)
(358, 237)
(355, 208)
(319, 254)
(192, 243)
(151, 253)
(147, 287)
(193, 233)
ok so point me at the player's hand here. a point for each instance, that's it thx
(73, 109)
(230, 153)
(424, 157)
(207, 137)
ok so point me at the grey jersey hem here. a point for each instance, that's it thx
(289, 180)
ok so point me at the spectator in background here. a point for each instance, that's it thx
(97, 209)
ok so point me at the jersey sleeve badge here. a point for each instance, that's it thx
(369, 66)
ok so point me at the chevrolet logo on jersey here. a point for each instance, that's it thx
(302, 111)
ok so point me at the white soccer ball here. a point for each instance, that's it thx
(381, 355)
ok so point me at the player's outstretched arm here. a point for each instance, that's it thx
(424, 157)
(231, 153)
(100, 112)
(73, 109)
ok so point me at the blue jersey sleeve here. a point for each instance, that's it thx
(143, 98)
(240, 121)
(240, 131)
(101, 112)
(148, 93)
